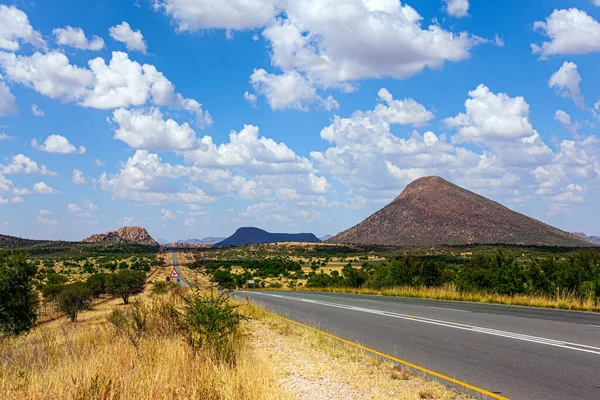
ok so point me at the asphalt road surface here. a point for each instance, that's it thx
(515, 352)
(181, 281)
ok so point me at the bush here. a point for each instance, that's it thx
(126, 283)
(162, 287)
(51, 292)
(132, 323)
(98, 284)
(211, 322)
(18, 299)
(74, 298)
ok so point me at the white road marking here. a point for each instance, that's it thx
(471, 328)
(451, 309)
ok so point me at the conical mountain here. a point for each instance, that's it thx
(432, 212)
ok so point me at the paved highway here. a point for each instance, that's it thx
(181, 281)
(515, 352)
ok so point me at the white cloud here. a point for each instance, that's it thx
(133, 40)
(457, 8)
(282, 219)
(4, 136)
(288, 90)
(167, 214)
(566, 83)
(121, 83)
(250, 98)
(74, 208)
(99, 163)
(386, 40)
(190, 223)
(57, 144)
(492, 117)
(44, 221)
(15, 27)
(21, 164)
(403, 112)
(50, 74)
(78, 177)
(17, 200)
(226, 14)
(38, 112)
(75, 37)
(596, 2)
(570, 31)
(8, 105)
(45, 212)
(151, 132)
(43, 188)
(248, 151)
(145, 178)
(8, 188)
(565, 120)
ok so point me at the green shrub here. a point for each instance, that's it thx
(211, 322)
(18, 299)
(98, 284)
(74, 298)
(162, 287)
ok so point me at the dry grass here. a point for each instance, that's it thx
(564, 301)
(90, 360)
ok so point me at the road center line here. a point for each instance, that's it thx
(448, 324)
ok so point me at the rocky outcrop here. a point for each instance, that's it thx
(132, 234)
(595, 240)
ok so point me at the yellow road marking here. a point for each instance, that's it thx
(408, 364)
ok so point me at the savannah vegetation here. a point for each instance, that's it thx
(549, 277)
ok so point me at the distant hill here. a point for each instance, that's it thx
(132, 234)
(207, 240)
(13, 242)
(326, 237)
(432, 211)
(245, 236)
(162, 241)
(595, 240)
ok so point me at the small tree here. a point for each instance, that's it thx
(98, 283)
(126, 283)
(74, 298)
(18, 299)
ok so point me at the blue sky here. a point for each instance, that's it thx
(195, 118)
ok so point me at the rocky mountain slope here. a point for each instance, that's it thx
(13, 242)
(595, 240)
(133, 234)
(432, 211)
(244, 236)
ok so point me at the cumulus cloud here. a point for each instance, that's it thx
(149, 131)
(15, 28)
(8, 104)
(570, 31)
(566, 83)
(248, 151)
(38, 112)
(50, 74)
(120, 83)
(43, 188)
(57, 144)
(133, 40)
(387, 38)
(21, 164)
(167, 214)
(78, 177)
(565, 120)
(45, 221)
(4, 136)
(492, 117)
(8, 188)
(45, 212)
(75, 37)
(287, 90)
(226, 14)
(457, 8)
(145, 178)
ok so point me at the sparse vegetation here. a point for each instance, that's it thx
(73, 298)
(126, 283)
